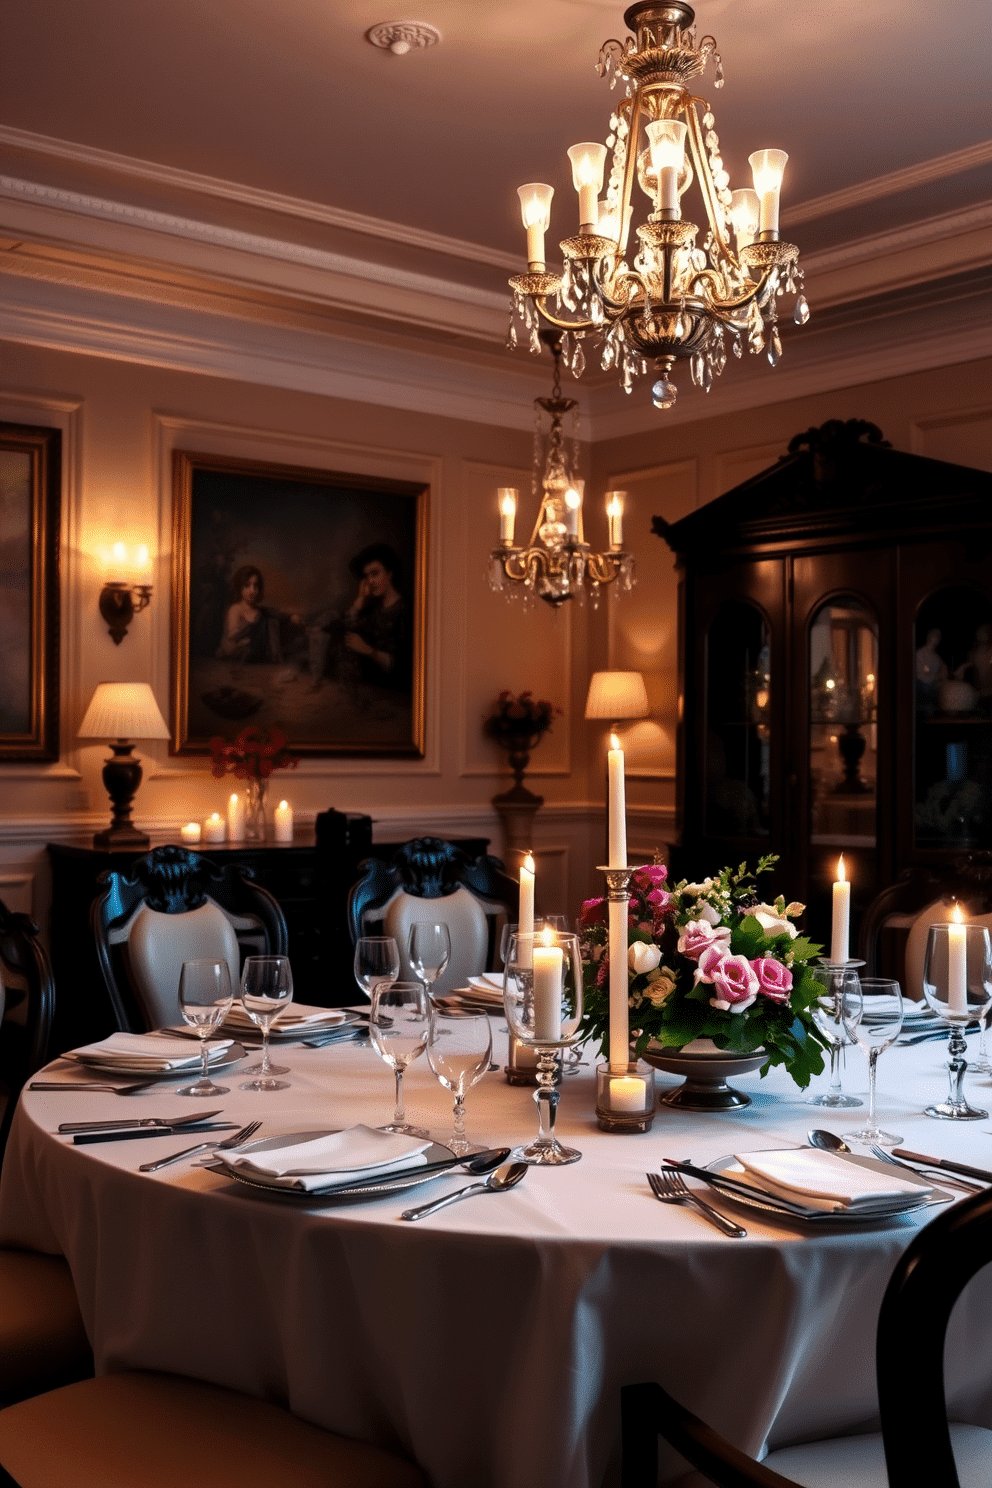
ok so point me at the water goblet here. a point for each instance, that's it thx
(957, 984)
(430, 951)
(873, 1016)
(542, 999)
(205, 996)
(458, 1049)
(266, 991)
(377, 961)
(399, 1025)
(828, 1015)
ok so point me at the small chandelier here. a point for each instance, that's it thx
(667, 299)
(557, 563)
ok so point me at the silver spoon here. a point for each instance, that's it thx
(826, 1141)
(508, 1176)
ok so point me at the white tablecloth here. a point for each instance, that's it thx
(490, 1342)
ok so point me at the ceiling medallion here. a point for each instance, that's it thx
(557, 564)
(400, 37)
(665, 299)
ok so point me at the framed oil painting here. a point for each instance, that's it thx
(298, 603)
(30, 499)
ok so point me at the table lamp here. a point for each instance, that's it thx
(122, 712)
(614, 696)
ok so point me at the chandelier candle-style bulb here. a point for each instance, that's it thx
(535, 211)
(768, 168)
(666, 143)
(745, 214)
(614, 517)
(588, 163)
(573, 505)
(507, 513)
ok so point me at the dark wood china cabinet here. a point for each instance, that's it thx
(836, 667)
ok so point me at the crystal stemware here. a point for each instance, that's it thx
(205, 997)
(266, 991)
(458, 1050)
(377, 961)
(399, 1023)
(430, 951)
(873, 1015)
(828, 1015)
(957, 983)
(542, 998)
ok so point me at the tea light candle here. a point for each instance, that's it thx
(235, 818)
(190, 833)
(214, 829)
(957, 964)
(528, 873)
(548, 965)
(628, 1094)
(841, 923)
(282, 820)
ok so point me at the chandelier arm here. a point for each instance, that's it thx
(707, 187)
(540, 306)
(630, 167)
(604, 567)
(724, 309)
(629, 276)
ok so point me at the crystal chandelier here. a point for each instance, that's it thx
(664, 299)
(557, 564)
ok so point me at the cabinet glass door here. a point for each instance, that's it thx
(843, 724)
(738, 731)
(952, 693)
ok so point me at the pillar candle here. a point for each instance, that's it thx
(841, 923)
(548, 964)
(957, 964)
(282, 820)
(190, 833)
(619, 990)
(214, 829)
(628, 1094)
(235, 818)
(617, 807)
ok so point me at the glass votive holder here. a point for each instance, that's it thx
(625, 1103)
(521, 1064)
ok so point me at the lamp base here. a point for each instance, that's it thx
(124, 836)
(121, 778)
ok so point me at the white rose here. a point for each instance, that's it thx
(642, 957)
(708, 913)
(772, 922)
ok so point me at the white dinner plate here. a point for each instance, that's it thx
(370, 1188)
(731, 1168)
(230, 1056)
(295, 1033)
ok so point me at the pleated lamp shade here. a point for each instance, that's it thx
(123, 710)
(616, 695)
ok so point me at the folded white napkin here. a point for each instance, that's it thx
(298, 1014)
(329, 1159)
(827, 1180)
(150, 1051)
(487, 988)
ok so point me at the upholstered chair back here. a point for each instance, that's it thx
(157, 945)
(467, 925)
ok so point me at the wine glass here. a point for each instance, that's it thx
(205, 996)
(377, 960)
(430, 951)
(458, 1050)
(266, 990)
(828, 1015)
(957, 984)
(399, 1024)
(873, 1017)
(542, 999)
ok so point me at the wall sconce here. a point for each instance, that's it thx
(121, 599)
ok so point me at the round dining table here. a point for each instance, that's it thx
(489, 1342)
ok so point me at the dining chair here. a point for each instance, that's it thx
(893, 938)
(27, 1008)
(916, 1445)
(174, 906)
(157, 1430)
(434, 880)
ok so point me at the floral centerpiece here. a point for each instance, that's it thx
(711, 961)
(252, 757)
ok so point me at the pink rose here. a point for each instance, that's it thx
(709, 960)
(659, 899)
(735, 985)
(696, 935)
(593, 912)
(774, 979)
(653, 873)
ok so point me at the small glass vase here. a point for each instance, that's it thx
(255, 810)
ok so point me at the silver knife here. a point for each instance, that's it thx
(135, 1121)
(152, 1131)
(945, 1162)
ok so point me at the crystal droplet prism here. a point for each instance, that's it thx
(801, 313)
(664, 393)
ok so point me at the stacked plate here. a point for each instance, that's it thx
(154, 1053)
(822, 1185)
(298, 1021)
(484, 994)
(360, 1162)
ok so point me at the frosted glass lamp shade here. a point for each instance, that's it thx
(123, 710)
(616, 695)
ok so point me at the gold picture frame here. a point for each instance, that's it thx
(298, 602)
(30, 504)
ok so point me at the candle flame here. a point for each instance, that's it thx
(547, 936)
(841, 875)
(614, 741)
(529, 863)
(958, 916)
(214, 816)
(283, 805)
(233, 796)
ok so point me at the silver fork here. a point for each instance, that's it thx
(671, 1188)
(232, 1141)
(934, 1175)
